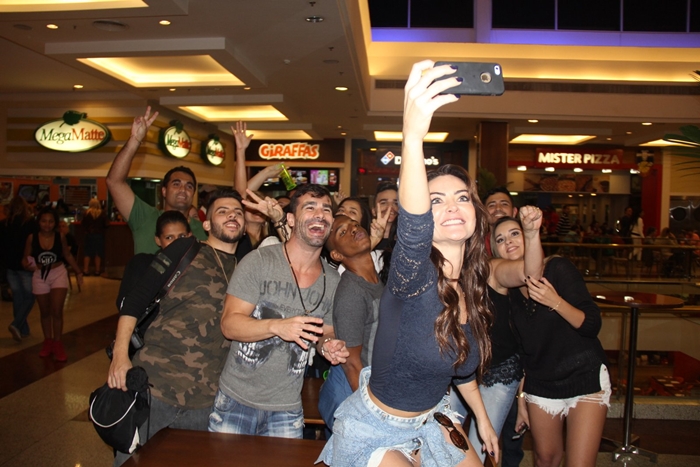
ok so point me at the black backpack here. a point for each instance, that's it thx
(117, 415)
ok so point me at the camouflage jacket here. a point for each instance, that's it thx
(184, 349)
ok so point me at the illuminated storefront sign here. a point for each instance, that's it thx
(390, 157)
(174, 141)
(583, 156)
(289, 151)
(213, 151)
(73, 133)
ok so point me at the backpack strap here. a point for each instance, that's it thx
(181, 267)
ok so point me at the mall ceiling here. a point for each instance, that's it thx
(294, 64)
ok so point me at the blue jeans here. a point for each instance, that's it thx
(497, 401)
(230, 416)
(22, 298)
(164, 415)
(333, 392)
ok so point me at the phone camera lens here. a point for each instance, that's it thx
(485, 77)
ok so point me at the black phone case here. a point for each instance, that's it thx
(474, 75)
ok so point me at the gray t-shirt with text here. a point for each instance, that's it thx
(268, 375)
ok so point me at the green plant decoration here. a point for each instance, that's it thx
(690, 136)
(485, 181)
(72, 117)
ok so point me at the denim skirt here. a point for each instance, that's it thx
(363, 432)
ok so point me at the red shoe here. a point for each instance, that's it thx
(46, 348)
(59, 352)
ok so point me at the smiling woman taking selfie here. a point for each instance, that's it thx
(433, 315)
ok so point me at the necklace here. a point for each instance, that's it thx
(296, 282)
(221, 264)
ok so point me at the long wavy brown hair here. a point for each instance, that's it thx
(472, 279)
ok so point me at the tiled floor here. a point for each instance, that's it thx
(43, 404)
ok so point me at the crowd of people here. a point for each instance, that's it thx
(429, 307)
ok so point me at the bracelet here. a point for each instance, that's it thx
(280, 223)
(521, 395)
(323, 351)
(556, 308)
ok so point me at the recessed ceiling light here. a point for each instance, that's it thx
(172, 89)
(247, 88)
(593, 194)
(342, 133)
(52, 26)
(549, 169)
(341, 88)
(578, 169)
(315, 19)
(513, 193)
(571, 196)
(550, 139)
(77, 86)
(522, 168)
(608, 139)
(164, 22)
(606, 171)
(646, 123)
(340, 126)
(580, 195)
(628, 132)
(533, 121)
(372, 149)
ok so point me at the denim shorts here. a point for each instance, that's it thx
(561, 407)
(363, 432)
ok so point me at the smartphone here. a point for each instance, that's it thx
(520, 433)
(478, 79)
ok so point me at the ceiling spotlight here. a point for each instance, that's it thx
(164, 22)
(77, 86)
(646, 123)
(533, 121)
(315, 19)
(522, 168)
(247, 88)
(578, 169)
(172, 89)
(608, 139)
(52, 26)
(372, 149)
(549, 169)
(341, 88)
(593, 194)
(340, 126)
(628, 132)
(343, 133)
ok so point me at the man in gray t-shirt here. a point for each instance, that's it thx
(278, 305)
(355, 311)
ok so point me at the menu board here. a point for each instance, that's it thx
(77, 195)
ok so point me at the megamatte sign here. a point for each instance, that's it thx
(174, 141)
(73, 133)
(289, 151)
(213, 151)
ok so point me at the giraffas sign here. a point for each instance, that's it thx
(72, 133)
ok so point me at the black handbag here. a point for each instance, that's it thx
(117, 415)
(136, 341)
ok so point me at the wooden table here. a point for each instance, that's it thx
(636, 301)
(171, 447)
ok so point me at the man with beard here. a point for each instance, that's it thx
(279, 305)
(184, 349)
